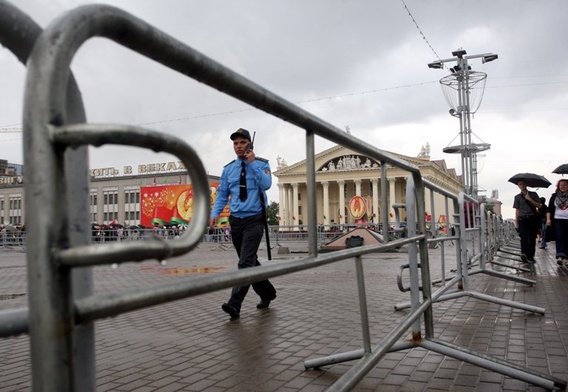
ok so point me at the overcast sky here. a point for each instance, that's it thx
(356, 63)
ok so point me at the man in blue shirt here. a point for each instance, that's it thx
(243, 185)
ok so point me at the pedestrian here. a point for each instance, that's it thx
(542, 212)
(243, 184)
(527, 218)
(557, 218)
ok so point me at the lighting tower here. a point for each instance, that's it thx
(463, 90)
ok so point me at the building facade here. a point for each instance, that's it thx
(349, 188)
(342, 176)
(114, 194)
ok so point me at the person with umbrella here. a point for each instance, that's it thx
(526, 205)
(557, 218)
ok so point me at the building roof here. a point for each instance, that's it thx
(328, 164)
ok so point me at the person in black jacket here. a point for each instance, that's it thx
(526, 204)
(557, 218)
(543, 211)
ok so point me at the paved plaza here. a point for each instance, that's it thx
(192, 345)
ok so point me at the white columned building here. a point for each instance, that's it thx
(342, 174)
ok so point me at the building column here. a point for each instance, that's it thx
(288, 205)
(341, 201)
(281, 208)
(100, 206)
(392, 194)
(375, 195)
(326, 216)
(121, 203)
(358, 187)
(295, 209)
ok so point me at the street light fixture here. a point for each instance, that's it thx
(436, 65)
(459, 53)
(488, 58)
(462, 80)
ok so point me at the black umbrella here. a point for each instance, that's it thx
(531, 179)
(562, 169)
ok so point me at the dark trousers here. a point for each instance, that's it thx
(543, 229)
(247, 234)
(528, 226)
(560, 227)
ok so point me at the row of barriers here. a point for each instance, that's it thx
(279, 235)
(62, 307)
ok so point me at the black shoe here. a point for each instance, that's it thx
(532, 260)
(559, 261)
(233, 312)
(265, 303)
(524, 258)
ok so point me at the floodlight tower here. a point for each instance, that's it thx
(463, 90)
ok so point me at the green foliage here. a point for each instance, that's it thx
(272, 213)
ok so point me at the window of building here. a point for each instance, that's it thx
(110, 204)
(93, 208)
(132, 204)
(15, 209)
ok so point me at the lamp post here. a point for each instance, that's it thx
(463, 90)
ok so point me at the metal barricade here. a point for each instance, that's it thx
(60, 259)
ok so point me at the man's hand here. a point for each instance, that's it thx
(249, 155)
(212, 222)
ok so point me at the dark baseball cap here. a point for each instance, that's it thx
(241, 132)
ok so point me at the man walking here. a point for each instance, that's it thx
(526, 204)
(243, 185)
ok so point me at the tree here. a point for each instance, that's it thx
(272, 213)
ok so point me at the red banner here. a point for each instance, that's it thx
(173, 204)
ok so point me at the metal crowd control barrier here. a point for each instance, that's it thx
(59, 260)
(479, 237)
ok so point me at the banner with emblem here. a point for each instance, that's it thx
(173, 205)
(357, 207)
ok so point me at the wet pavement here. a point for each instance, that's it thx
(192, 345)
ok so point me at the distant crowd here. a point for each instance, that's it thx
(12, 234)
(119, 232)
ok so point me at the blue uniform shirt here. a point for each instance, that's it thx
(259, 179)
